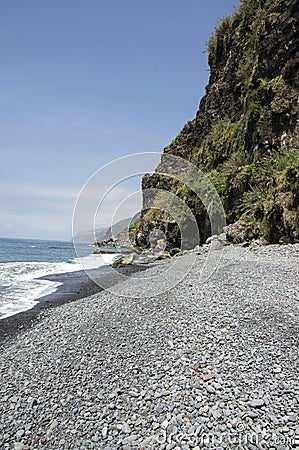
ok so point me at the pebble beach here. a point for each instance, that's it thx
(203, 365)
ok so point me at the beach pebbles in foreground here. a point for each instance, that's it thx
(212, 365)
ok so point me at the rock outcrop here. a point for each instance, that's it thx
(245, 133)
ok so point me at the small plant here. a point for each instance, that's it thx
(272, 203)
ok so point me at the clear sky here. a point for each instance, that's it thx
(83, 82)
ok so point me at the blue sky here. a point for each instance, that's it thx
(85, 82)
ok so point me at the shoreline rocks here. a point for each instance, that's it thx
(200, 365)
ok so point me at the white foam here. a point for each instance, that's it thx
(96, 261)
(23, 297)
(20, 287)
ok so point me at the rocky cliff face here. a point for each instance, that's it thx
(245, 133)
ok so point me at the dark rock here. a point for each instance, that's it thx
(238, 233)
(33, 402)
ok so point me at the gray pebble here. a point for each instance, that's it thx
(257, 403)
(126, 428)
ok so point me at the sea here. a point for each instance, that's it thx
(24, 261)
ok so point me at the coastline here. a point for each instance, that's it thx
(216, 359)
(75, 286)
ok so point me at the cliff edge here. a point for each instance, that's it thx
(245, 136)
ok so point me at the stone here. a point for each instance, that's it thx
(95, 438)
(257, 403)
(126, 428)
(146, 441)
(164, 424)
(238, 233)
(18, 446)
(134, 394)
(273, 418)
(291, 418)
(207, 377)
(54, 424)
(210, 389)
(104, 431)
(216, 245)
(33, 402)
(124, 260)
(211, 238)
(132, 438)
(20, 434)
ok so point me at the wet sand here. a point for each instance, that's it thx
(75, 285)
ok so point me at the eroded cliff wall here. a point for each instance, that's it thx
(245, 133)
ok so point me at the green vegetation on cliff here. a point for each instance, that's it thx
(245, 135)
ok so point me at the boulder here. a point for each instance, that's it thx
(237, 233)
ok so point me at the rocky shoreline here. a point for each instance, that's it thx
(74, 286)
(211, 365)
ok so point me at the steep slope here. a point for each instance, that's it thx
(245, 133)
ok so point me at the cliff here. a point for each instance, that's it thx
(245, 133)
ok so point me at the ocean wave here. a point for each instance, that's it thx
(21, 286)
